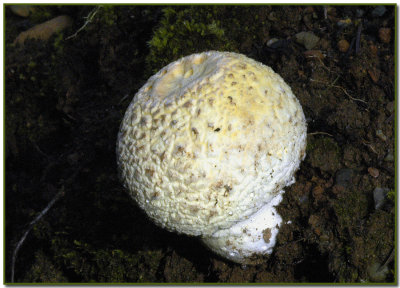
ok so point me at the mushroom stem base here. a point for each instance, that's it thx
(249, 239)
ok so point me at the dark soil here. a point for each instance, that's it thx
(65, 98)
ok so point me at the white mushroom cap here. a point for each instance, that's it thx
(209, 140)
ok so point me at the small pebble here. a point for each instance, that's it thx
(359, 13)
(317, 191)
(329, 183)
(45, 30)
(315, 15)
(309, 9)
(390, 107)
(373, 172)
(374, 74)
(313, 220)
(343, 45)
(318, 194)
(272, 17)
(331, 10)
(380, 134)
(325, 44)
(272, 41)
(314, 54)
(73, 158)
(384, 35)
(275, 43)
(343, 23)
(373, 49)
(378, 11)
(343, 177)
(379, 196)
(389, 156)
(22, 10)
(308, 39)
(377, 273)
(303, 199)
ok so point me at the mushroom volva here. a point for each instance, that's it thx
(206, 147)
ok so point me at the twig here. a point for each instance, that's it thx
(123, 98)
(333, 83)
(340, 87)
(345, 92)
(322, 63)
(351, 47)
(40, 151)
(31, 225)
(388, 259)
(88, 19)
(369, 146)
(358, 38)
(390, 118)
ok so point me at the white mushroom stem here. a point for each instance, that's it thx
(252, 237)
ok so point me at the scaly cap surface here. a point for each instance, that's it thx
(209, 140)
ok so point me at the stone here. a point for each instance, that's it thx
(343, 177)
(379, 196)
(373, 172)
(22, 10)
(378, 11)
(343, 45)
(384, 35)
(45, 30)
(308, 39)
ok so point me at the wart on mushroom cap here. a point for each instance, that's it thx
(209, 141)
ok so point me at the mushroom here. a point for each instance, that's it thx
(206, 147)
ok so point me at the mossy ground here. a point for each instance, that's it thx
(64, 100)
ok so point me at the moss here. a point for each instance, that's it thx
(350, 208)
(186, 30)
(324, 153)
(42, 13)
(58, 43)
(27, 119)
(43, 270)
(353, 220)
(107, 265)
(391, 196)
(107, 15)
(36, 81)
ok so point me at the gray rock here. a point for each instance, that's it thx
(343, 23)
(308, 39)
(303, 199)
(389, 156)
(359, 13)
(272, 41)
(380, 134)
(376, 272)
(378, 11)
(379, 196)
(344, 176)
